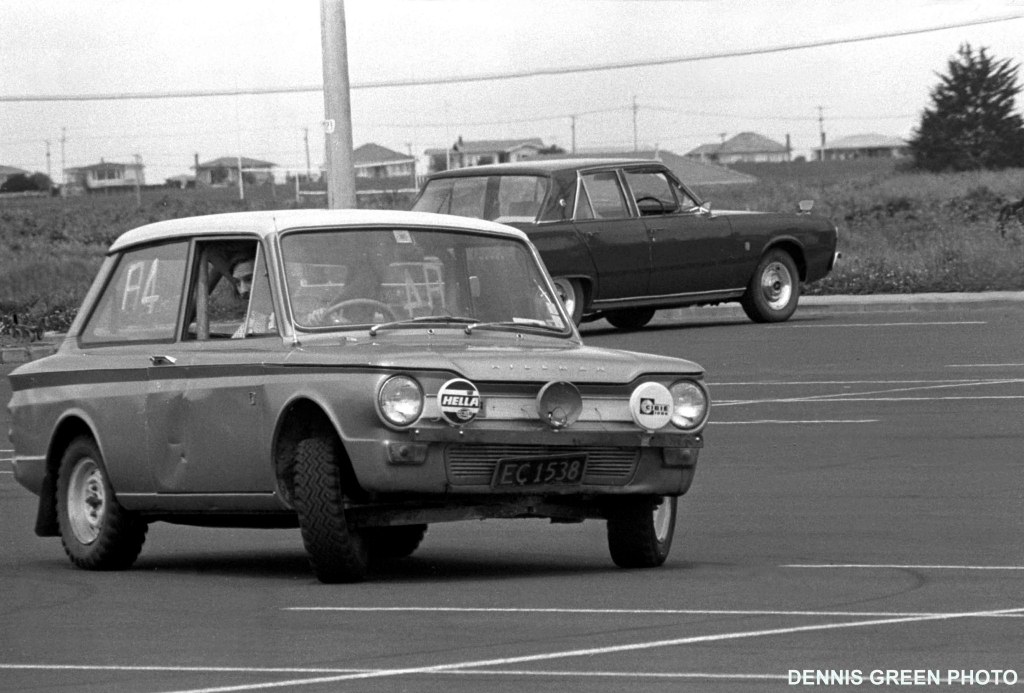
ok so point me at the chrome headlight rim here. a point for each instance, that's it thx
(693, 421)
(393, 393)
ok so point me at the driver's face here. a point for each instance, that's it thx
(242, 275)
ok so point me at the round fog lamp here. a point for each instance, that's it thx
(689, 405)
(400, 401)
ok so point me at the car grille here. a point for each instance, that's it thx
(474, 464)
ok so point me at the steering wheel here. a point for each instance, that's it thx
(652, 198)
(340, 306)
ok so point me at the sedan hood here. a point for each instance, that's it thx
(487, 359)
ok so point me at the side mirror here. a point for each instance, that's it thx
(705, 209)
(805, 206)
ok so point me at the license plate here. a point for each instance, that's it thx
(535, 471)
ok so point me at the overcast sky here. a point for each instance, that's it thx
(111, 47)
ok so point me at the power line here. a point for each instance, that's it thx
(495, 76)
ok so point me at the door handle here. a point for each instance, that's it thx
(162, 360)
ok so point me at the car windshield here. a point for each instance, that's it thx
(504, 199)
(341, 278)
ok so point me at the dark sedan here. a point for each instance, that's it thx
(623, 238)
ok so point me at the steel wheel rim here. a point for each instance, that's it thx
(662, 520)
(87, 501)
(777, 285)
(566, 293)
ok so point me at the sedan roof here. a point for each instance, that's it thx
(540, 167)
(264, 223)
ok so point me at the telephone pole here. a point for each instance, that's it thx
(821, 131)
(341, 179)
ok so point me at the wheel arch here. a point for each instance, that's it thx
(73, 425)
(794, 249)
(304, 417)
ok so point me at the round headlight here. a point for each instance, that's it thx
(689, 405)
(400, 401)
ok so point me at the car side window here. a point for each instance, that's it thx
(140, 302)
(653, 192)
(607, 200)
(230, 294)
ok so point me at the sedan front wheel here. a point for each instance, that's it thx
(640, 531)
(774, 289)
(337, 552)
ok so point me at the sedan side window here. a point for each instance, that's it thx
(140, 302)
(652, 192)
(605, 195)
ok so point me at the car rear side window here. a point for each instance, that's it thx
(140, 302)
(605, 197)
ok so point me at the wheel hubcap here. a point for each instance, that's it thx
(566, 293)
(87, 501)
(776, 285)
(663, 520)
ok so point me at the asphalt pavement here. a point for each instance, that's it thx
(22, 353)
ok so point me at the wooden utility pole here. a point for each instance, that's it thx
(341, 179)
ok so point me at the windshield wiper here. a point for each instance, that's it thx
(514, 324)
(446, 319)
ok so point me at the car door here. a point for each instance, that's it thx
(130, 335)
(212, 421)
(615, 237)
(692, 251)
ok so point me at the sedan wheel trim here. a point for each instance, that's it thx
(777, 285)
(87, 501)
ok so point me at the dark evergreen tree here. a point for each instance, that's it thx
(972, 122)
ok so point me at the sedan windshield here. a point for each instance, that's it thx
(505, 199)
(373, 276)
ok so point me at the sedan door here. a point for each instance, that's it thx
(616, 238)
(692, 251)
(213, 436)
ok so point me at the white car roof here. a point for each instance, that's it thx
(268, 222)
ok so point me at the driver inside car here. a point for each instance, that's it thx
(360, 299)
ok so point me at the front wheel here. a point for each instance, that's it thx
(97, 533)
(774, 289)
(640, 531)
(337, 552)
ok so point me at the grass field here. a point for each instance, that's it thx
(899, 232)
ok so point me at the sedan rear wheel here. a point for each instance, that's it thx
(774, 289)
(97, 533)
(571, 293)
(640, 531)
(337, 552)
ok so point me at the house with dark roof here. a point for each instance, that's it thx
(867, 146)
(382, 170)
(226, 170)
(746, 147)
(481, 152)
(106, 175)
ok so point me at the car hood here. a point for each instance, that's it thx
(483, 359)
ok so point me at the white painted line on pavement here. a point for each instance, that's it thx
(792, 422)
(796, 325)
(621, 612)
(985, 365)
(898, 566)
(594, 651)
(860, 396)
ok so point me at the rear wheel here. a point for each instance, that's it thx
(640, 531)
(571, 293)
(774, 289)
(337, 552)
(630, 318)
(97, 533)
